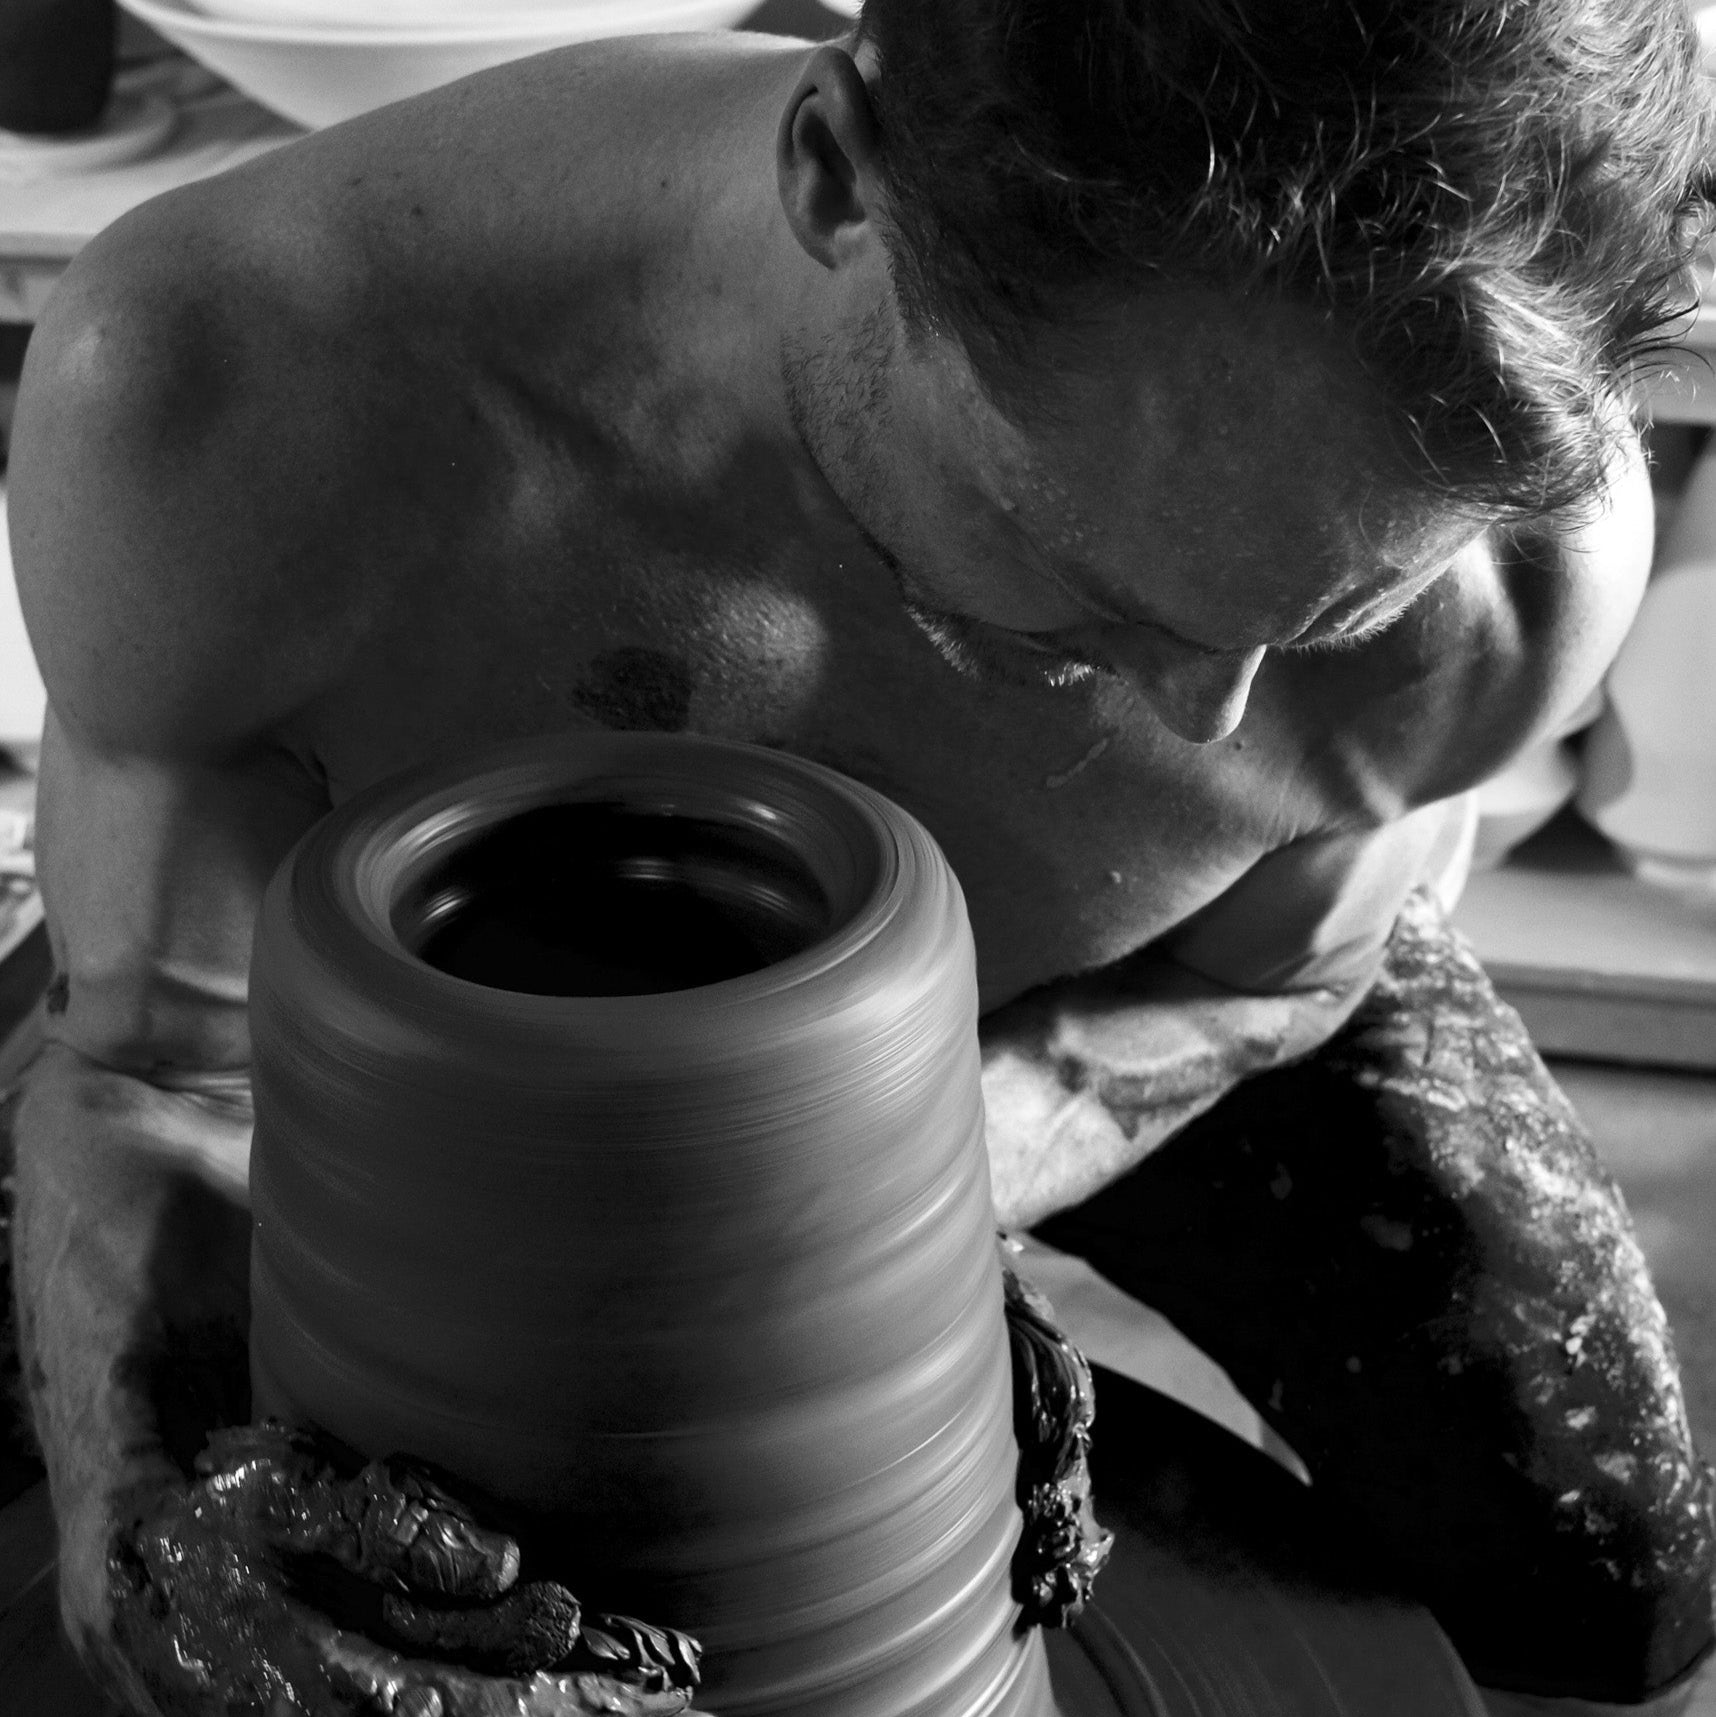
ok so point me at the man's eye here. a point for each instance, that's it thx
(1345, 640)
(1358, 635)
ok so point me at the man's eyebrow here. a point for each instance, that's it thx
(1184, 642)
(1078, 579)
(1082, 591)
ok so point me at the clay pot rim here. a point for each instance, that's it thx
(866, 861)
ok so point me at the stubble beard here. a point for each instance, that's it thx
(835, 411)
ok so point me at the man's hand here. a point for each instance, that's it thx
(215, 1593)
(276, 1578)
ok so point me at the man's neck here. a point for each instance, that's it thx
(720, 272)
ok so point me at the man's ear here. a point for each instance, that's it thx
(825, 156)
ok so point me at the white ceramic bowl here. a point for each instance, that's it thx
(319, 74)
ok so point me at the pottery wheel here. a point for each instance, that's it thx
(1227, 1595)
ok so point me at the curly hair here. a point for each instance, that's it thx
(1499, 199)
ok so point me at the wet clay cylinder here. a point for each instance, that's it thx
(619, 1149)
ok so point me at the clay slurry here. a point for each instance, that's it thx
(595, 899)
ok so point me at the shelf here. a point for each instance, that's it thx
(46, 216)
(1601, 964)
(1685, 390)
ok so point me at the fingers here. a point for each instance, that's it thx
(533, 1627)
(391, 1523)
(1061, 1549)
(602, 1696)
(654, 1660)
(405, 1530)
(1054, 1397)
(365, 1677)
(204, 1619)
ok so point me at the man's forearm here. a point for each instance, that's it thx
(131, 1250)
(1083, 1080)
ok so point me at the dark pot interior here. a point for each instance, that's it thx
(601, 899)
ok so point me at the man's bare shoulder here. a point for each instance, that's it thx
(1499, 652)
(181, 468)
(268, 413)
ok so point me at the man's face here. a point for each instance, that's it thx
(1199, 483)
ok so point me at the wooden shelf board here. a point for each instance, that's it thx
(1599, 962)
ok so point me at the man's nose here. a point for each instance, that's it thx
(1199, 696)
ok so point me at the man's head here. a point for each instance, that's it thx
(1158, 337)
(1497, 197)
(1223, 487)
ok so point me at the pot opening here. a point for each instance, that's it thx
(597, 899)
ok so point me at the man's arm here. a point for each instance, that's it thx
(184, 606)
(132, 1228)
(163, 810)
(1084, 1079)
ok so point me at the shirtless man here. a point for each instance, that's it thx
(1175, 503)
